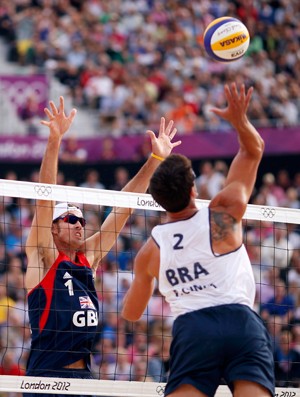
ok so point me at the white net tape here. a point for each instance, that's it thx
(126, 199)
(109, 388)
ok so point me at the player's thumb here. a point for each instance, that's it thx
(217, 111)
(151, 135)
(73, 113)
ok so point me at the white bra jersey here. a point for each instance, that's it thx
(191, 276)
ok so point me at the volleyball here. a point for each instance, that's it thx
(226, 39)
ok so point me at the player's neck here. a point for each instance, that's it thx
(186, 213)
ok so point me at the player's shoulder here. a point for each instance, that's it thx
(231, 204)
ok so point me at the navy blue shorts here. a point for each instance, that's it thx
(227, 342)
(57, 385)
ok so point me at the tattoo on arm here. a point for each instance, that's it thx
(221, 224)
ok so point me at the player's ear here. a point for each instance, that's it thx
(54, 228)
(194, 192)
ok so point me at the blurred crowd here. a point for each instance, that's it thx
(140, 351)
(133, 61)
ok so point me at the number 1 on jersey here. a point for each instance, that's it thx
(69, 284)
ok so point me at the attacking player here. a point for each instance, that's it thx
(205, 274)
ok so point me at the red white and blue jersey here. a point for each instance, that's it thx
(63, 314)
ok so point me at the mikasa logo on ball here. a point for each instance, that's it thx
(226, 39)
(241, 38)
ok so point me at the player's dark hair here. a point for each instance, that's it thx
(171, 183)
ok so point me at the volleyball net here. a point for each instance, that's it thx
(132, 359)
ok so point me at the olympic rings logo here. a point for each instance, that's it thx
(160, 390)
(268, 212)
(22, 87)
(42, 190)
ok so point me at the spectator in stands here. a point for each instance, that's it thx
(287, 362)
(3, 257)
(265, 284)
(274, 325)
(282, 304)
(8, 366)
(121, 369)
(29, 113)
(157, 47)
(119, 254)
(71, 152)
(108, 151)
(292, 198)
(92, 180)
(293, 281)
(5, 219)
(6, 303)
(202, 181)
(121, 178)
(276, 248)
(275, 195)
(14, 240)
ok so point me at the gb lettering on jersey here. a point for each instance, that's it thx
(87, 317)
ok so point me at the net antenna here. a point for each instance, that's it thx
(112, 384)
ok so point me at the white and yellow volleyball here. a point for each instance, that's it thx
(226, 39)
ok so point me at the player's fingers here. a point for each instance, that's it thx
(217, 111)
(227, 93)
(234, 92)
(53, 107)
(48, 113)
(151, 135)
(46, 123)
(72, 114)
(248, 96)
(169, 128)
(177, 143)
(162, 126)
(173, 133)
(61, 104)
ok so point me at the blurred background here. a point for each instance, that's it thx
(123, 64)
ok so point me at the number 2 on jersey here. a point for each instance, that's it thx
(179, 238)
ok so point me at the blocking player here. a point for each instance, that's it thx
(63, 305)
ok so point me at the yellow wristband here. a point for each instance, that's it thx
(157, 157)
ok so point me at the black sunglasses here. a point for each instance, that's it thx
(73, 219)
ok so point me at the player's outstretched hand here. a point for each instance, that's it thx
(237, 105)
(58, 122)
(162, 145)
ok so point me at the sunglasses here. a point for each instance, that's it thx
(72, 219)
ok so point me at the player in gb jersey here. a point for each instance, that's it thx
(63, 305)
(205, 274)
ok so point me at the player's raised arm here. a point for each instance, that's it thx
(39, 245)
(242, 173)
(162, 146)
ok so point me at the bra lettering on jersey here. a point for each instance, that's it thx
(185, 275)
(85, 318)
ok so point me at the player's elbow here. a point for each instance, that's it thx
(255, 149)
(260, 148)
